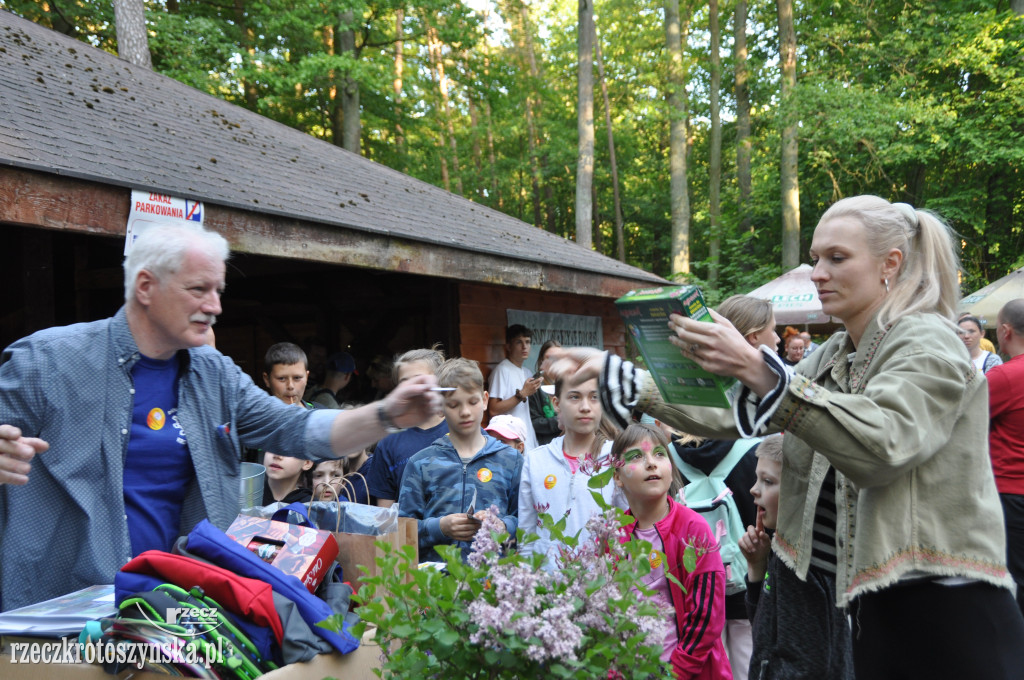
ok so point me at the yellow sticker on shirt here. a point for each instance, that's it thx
(156, 419)
(549, 482)
(484, 475)
(655, 559)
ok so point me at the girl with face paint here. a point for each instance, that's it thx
(645, 474)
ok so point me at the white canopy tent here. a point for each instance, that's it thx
(986, 302)
(794, 298)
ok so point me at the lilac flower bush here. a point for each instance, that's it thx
(500, 615)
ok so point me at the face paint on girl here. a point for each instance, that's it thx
(646, 470)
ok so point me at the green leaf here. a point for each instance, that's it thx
(689, 559)
(433, 626)
(601, 479)
(448, 637)
(560, 671)
(595, 585)
(673, 579)
(402, 630)
(334, 623)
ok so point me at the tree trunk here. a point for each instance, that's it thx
(915, 184)
(397, 87)
(490, 192)
(335, 113)
(620, 246)
(743, 141)
(517, 15)
(495, 190)
(715, 160)
(433, 49)
(132, 38)
(596, 222)
(551, 223)
(350, 131)
(1017, 6)
(533, 111)
(478, 165)
(248, 39)
(585, 122)
(446, 112)
(788, 166)
(675, 94)
(531, 143)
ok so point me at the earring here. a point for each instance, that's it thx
(886, 285)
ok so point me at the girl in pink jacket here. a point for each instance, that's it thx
(644, 472)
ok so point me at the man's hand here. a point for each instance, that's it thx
(531, 386)
(16, 454)
(413, 402)
(459, 526)
(497, 406)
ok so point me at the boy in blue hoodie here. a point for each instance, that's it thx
(440, 483)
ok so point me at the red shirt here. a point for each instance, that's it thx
(1006, 432)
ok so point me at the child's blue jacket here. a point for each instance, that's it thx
(436, 482)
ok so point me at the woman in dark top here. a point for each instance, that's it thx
(545, 421)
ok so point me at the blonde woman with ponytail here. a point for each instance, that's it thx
(886, 446)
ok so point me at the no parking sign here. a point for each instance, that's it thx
(149, 209)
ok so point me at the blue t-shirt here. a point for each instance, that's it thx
(158, 468)
(383, 470)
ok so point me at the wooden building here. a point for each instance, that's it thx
(328, 246)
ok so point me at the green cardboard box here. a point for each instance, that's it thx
(681, 381)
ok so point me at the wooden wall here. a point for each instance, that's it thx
(482, 318)
(62, 277)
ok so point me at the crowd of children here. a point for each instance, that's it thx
(450, 471)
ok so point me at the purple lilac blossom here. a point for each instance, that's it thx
(552, 608)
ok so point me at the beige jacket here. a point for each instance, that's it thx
(906, 427)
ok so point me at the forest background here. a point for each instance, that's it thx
(720, 130)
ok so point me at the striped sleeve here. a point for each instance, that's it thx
(752, 413)
(701, 623)
(621, 382)
(619, 388)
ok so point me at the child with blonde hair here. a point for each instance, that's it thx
(798, 631)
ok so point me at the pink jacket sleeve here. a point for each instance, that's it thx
(703, 616)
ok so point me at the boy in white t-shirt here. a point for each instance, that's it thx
(511, 384)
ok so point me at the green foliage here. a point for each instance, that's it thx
(919, 105)
(909, 101)
(464, 621)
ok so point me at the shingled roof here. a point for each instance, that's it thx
(73, 110)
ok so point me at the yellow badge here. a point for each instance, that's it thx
(484, 475)
(655, 559)
(156, 419)
(549, 482)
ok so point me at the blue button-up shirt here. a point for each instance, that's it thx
(71, 386)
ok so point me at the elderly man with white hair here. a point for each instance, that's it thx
(121, 434)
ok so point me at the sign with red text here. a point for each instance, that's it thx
(149, 209)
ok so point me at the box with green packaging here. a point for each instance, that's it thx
(680, 380)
